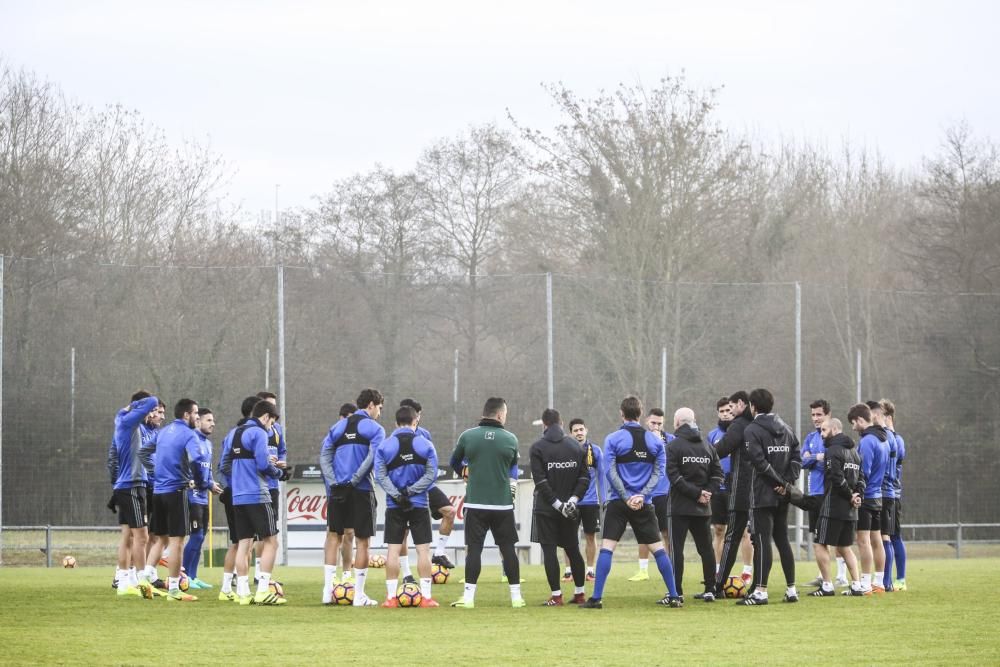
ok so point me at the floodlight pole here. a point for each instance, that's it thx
(551, 361)
(2, 262)
(663, 378)
(799, 514)
(281, 401)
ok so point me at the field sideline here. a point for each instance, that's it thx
(73, 616)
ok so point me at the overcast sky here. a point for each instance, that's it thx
(302, 93)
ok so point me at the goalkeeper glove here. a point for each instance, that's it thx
(112, 505)
(569, 510)
(403, 502)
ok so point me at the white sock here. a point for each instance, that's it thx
(855, 585)
(133, 577)
(841, 568)
(748, 569)
(590, 569)
(760, 594)
(390, 588)
(263, 581)
(515, 591)
(243, 586)
(256, 569)
(404, 566)
(879, 578)
(791, 590)
(469, 595)
(425, 587)
(568, 570)
(643, 563)
(227, 582)
(577, 590)
(557, 594)
(360, 574)
(329, 575)
(173, 583)
(442, 544)
(827, 585)
(148, 573)
(716, 569)
(866, 581)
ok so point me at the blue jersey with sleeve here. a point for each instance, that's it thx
(874, 450)
(203, 459)
(406, 461)
(276, 447)
(175, 446)
(251, 467)
(889, 487)
(127, 442)
(663, 486)
(225, 468)
(812, 445)
(714, 436)
(593, 458)
(635, 460)
(348, 451)
(900, 455)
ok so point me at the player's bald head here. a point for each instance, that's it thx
(683, 416)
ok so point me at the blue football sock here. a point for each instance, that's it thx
(666, 570)
(887, 575)
(603, 570)
(192, 553)
(899, 550)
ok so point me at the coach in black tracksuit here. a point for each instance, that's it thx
(561, 478)
(774, 454)
(733, 445)
(695, 474)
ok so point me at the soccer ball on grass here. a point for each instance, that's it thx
(69, 561)
(343, 594)
(408, 595)
(439, 574)
(377, 560)
(734, 587)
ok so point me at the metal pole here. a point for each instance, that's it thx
(72, 396)
(454, 403)
(958, 519)
(858, 398)
(267, 368)
(663, 378)
(48, 546)
(281, 398)
(551, 364)
(1, 405)
(799, 514)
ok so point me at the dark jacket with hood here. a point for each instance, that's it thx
(558, 469)
(774, 455)
(843, 478)
(732, 445)
(692, 467)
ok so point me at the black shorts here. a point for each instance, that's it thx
(814, 520)
(416, 519)
(661, 506)
(899, 517)
(869, 519)
(255, 521)
(170, 514)
(275, 501)
(590, 518)
(643, 521)
(227, 504)
(149, 502)
(835, 532)
(888, 523)
(199, 517)
(132, 506)
(554, 529)
(499, 522)
(356, 511)
(436, 499)
(720, 508)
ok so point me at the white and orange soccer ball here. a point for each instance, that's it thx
(69, 561)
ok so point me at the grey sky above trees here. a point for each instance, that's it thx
(307, 93)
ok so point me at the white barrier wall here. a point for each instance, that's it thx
(306, 505)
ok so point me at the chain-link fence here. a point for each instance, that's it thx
(78, 339)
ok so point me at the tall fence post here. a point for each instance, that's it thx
(551, 336)
(72, 396)
(799, 514)
(48, 546)
(283, 536)
(1, 405)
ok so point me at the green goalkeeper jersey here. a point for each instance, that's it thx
(490, 453)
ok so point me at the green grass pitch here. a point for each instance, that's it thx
(949, 615)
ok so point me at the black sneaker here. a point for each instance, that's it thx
(408, 579)
(114, 584)
(671, 601)
(592, 603)
(791, 597)
(707, 596)
(443, 562)
(855, 592)
(159, 583)
(821, 593)
(701, 596)
(752, 601)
